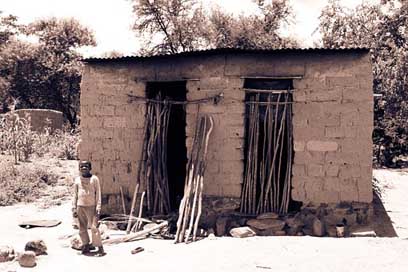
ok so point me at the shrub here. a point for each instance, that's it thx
(65, 144)
(18, 184)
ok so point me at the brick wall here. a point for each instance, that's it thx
(332, 119)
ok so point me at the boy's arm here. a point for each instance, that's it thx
(98, 195)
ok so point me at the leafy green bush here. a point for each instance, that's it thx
(23, 184)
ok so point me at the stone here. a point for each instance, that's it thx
(220, 226)
(293, 231)
(318, 228)
(36, 246)
(273, 224)
(242, 232)
(280, 233)
(331, 231)
(6, 254)
(76, 242)
(27, 259)
(270, 215)
(307, 231)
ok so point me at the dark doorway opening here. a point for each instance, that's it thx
(268, 147)
(175, 147)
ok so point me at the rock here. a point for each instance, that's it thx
(242, 232)
(270, 215)
(265, 232)
(225, 205)
(307, 231)
(362, 218)
(293, 231)
(274, 224)
(6, 254)
(331, 231)
(27, 259)
(36, 246)
(308, 221)
(318, 228)
(76, 242)
(221, 226)
(280, 233)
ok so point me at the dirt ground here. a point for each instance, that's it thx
(218, 254)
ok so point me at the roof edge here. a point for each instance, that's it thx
(223, 50)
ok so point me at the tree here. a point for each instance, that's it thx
(252, 31)
(46, 74)
(172, 26)
(8, 28)
(180, 25)
(382, 28)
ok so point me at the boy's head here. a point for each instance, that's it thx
(85, 167)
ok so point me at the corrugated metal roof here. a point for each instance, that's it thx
(220, 51)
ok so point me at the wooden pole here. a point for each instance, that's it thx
(132, 209)
(123, 200)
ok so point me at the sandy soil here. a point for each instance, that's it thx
(218, 254)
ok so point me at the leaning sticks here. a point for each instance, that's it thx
(267, 179)
(191, 204)
(155, 161)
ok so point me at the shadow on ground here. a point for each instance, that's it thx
(382, 222)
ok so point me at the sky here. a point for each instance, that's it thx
(111, 20)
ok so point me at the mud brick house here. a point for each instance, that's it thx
(292, 127)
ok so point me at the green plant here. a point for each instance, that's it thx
(22, 183)
(65, 144)
(17, 137)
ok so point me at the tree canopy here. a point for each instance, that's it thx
(383, 28)
(45, 74)
(171, 26)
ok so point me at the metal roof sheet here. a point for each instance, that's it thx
(223, 50)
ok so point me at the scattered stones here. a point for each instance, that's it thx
(242, 232)
(280, 233)
(27, 259)
(270, 215)
(318, 228)
(36, 246)
(6, 254)
(273, 224)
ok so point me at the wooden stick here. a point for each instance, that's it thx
(138, 221)
(183, 205)
(123, 200)
(132, 208)
(200, 200)
(134, 236)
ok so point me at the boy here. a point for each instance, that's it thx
(87, 207)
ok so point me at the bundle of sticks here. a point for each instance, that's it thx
(191, 204)
(155, 157)
(267, 180)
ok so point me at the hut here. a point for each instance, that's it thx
(291, 129)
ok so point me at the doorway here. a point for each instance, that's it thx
(167, 152)
(268, 146)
